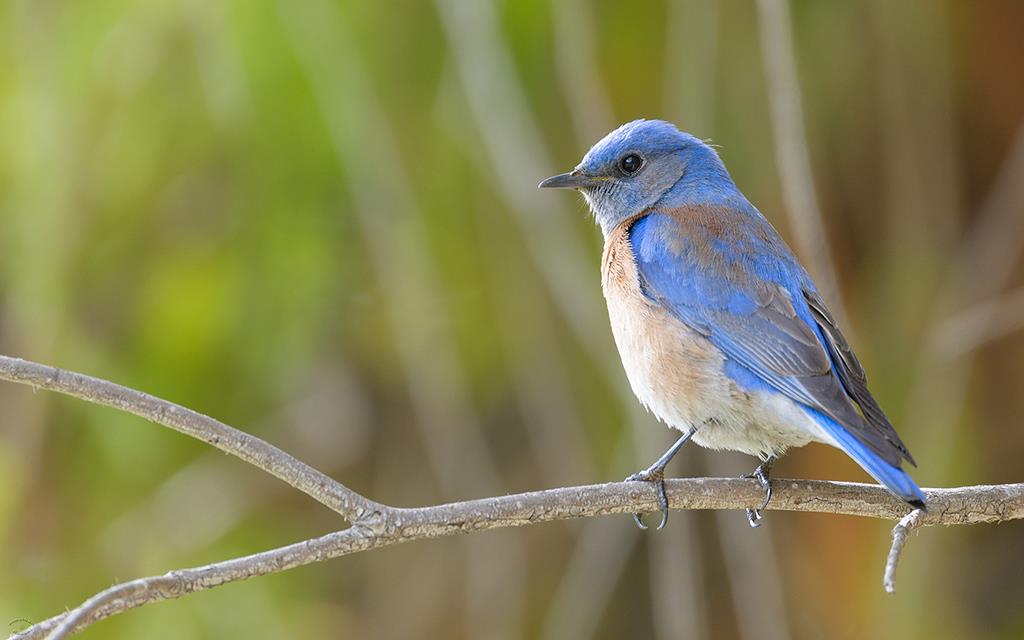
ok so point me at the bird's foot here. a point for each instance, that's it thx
(654, 474)
(762, 475)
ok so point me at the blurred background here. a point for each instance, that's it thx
(318, 221)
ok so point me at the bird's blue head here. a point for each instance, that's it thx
(633, 168)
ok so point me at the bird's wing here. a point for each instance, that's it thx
(851, 374)
(743, 290)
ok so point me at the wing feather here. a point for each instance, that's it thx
(772, 324)
(852, 376)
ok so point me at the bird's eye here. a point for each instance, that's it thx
(630, 163)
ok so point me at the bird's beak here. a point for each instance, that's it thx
(575, 179)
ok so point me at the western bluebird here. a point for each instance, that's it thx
(722, 333)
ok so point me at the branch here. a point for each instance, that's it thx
(965, 505)
(260, 454)
(899, 540)
(376, 525)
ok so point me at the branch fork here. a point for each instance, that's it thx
(374, 525)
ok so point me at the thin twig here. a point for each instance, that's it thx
(899, 539)
(982, 268)
(251, 449)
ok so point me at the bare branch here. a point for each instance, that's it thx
(965, 505)
(899, 540)
(251, 449)
(376, 525)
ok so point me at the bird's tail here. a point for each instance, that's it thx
(892, 476)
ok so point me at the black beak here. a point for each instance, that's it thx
(573, 180)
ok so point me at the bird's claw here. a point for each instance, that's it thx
(754, 516)
(657, 476)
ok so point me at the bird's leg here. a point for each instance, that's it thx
(761, 474)
(656, 474)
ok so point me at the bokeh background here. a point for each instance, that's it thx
(318, 221)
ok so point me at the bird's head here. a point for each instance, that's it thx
(634, 166)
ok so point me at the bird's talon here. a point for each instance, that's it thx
(767, 496)
(663, 503)
(656, 476)
(664, 520)
(761, 474)
(754, 517)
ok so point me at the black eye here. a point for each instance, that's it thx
(630, 164)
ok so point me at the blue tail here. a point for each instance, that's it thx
(895, 479)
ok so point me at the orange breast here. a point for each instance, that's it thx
(673, 370)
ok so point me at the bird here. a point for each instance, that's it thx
(723, 335)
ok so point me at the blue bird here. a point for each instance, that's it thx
(722, 333)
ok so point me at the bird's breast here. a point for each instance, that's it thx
(674, 371)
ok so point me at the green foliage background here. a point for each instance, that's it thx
(318, 222)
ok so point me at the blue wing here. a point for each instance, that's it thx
(729, 276)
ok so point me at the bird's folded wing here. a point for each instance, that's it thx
(851, 374)
(751, 305)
